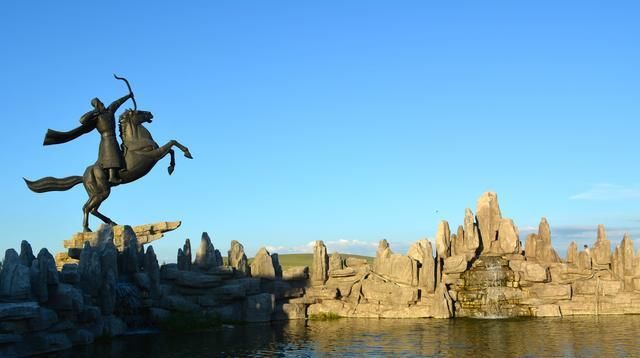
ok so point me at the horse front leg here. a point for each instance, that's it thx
(172, 163)
(161, 152)
(184, 149)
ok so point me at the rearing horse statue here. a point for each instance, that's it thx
(141, 153)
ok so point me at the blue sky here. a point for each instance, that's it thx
(347, 122)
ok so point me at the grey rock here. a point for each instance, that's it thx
(90, 270)
(44, 276)
(399, 268)
(601, 251)
(258, 308)
(488, 217)
(206, 255)
(152, 269)
(298, 273)
(26, 253)
(275, 260)
(471, 233)
(422, 252)
(455, 264)
(70, 274)
(44, 320)
(336, 262)
(572, 253)
(142, 281)
(178, 303)
(169, 272)
(530, 246)
(237, 257)
(197, 280)
(508, 237)
(355, 262)
(107, 297)
(129, 256)
(262, 265)
(67, 298)
(15, 279)
(443, 304)
(320, 267)
(219, 259)
(184, 256)
(18, 311)
(443, 240)
(544, 250)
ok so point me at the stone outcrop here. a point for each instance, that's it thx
(237, 258)
(15, 278)
(336, 263)
(264, 266)
(601, 251)
(480, 271)
(320, 266)
(572, 253)
(144, 234)
(488, 217)
(396, 267)
(422, 252)
(207, 257)
(184, 256)
(443, 240)
(471, 233)
(538, 246)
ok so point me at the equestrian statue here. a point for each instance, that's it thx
(117, 164)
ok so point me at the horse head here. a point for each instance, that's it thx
(132, 129)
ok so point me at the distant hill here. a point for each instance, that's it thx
(292, 260)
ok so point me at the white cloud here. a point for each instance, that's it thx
(609, 192)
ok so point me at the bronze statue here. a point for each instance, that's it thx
(138, 156)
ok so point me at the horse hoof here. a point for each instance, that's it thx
(86, 229)
(188, 154)
(170, 170)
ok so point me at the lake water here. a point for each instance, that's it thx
(609, 336)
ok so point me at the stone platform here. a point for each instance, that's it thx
(145, 234)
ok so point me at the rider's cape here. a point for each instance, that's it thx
(55, 137)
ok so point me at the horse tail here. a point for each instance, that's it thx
(53, 184)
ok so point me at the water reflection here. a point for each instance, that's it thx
(582, 336)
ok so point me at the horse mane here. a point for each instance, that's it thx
(123, 117)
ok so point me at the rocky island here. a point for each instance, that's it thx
(110, 282)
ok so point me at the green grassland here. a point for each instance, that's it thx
(292, 260)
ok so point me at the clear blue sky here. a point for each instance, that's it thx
(347, 122)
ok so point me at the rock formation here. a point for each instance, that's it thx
(336, 263)
(471, 233)
(206, 257)
(237, 258)
(184, 256)
(488, 217)
(15, 281)
(443, 240)
(481, 271)
(396, 267)
(544, 251)
(422, 252)
(601, 251)
(572, 253)
(320, 266)
(263, 265)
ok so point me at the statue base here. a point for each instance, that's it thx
(145, 234)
